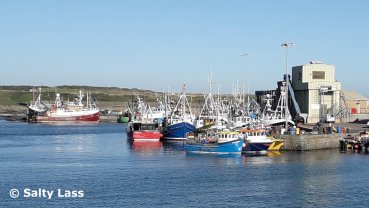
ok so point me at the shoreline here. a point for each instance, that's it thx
(23, 118)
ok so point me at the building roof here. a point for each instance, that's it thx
(351, 95)
(315, 62)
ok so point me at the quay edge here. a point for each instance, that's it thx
(306, 142)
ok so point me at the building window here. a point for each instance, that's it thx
(300, 76)
(318, 75)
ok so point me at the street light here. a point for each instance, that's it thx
(243, 84)
(286, 111)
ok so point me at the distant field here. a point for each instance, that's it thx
(107, 97)
(112, 98)
(11, 95)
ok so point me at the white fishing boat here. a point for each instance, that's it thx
(71, 112)
(211, 115)
(277, 116)
(144, 111)
(36, 107)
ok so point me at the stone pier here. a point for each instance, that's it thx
(310, 142)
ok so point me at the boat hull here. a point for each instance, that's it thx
(138, 131)
(256, 147)
(146, 135)
(233, 147)
(178, 131)
(276, 145)
(85, 117)
(32, 114)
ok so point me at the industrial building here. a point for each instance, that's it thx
(316, 96)
(358, 105)
(316, 90)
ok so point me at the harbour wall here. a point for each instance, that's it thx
(110, 118)
(305, 142)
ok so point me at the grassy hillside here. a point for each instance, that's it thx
(107, 97)
(12, 95)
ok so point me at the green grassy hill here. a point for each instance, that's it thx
(107, 97)
(16, 98)
(12, 95)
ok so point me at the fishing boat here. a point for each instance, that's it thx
(125, 117)
(145, 124)
(36, 106)
(145, 131)
(177, 130)
(358, 143)
(180, 121)
(278, 116)
(143, 110)
(256, 141)
(211, 114)
(225, 142)
(71, 112)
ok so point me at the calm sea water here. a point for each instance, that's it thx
(112, 172)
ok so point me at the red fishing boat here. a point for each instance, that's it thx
(138, 130)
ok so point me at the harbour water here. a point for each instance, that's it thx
(112, 172)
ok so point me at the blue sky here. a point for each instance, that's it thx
(156, 44)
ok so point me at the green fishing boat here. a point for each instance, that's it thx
(123, 119)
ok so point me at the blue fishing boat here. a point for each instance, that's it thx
(256, 141)
(180, 121)
(224, 142)
(233, 147)
(178, 131)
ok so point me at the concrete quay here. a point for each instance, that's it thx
(109, 119)
(305, 142)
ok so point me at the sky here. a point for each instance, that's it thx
(160, 44)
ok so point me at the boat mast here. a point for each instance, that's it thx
(183, 99)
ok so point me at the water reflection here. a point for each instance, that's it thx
(274, 153)
(312, 174)
(216, 160)
(77, 144)
(269, 157)
(147, 147)
(311, 157)
(173, 146)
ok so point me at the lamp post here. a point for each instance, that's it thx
(286, 111)
(243, 84)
